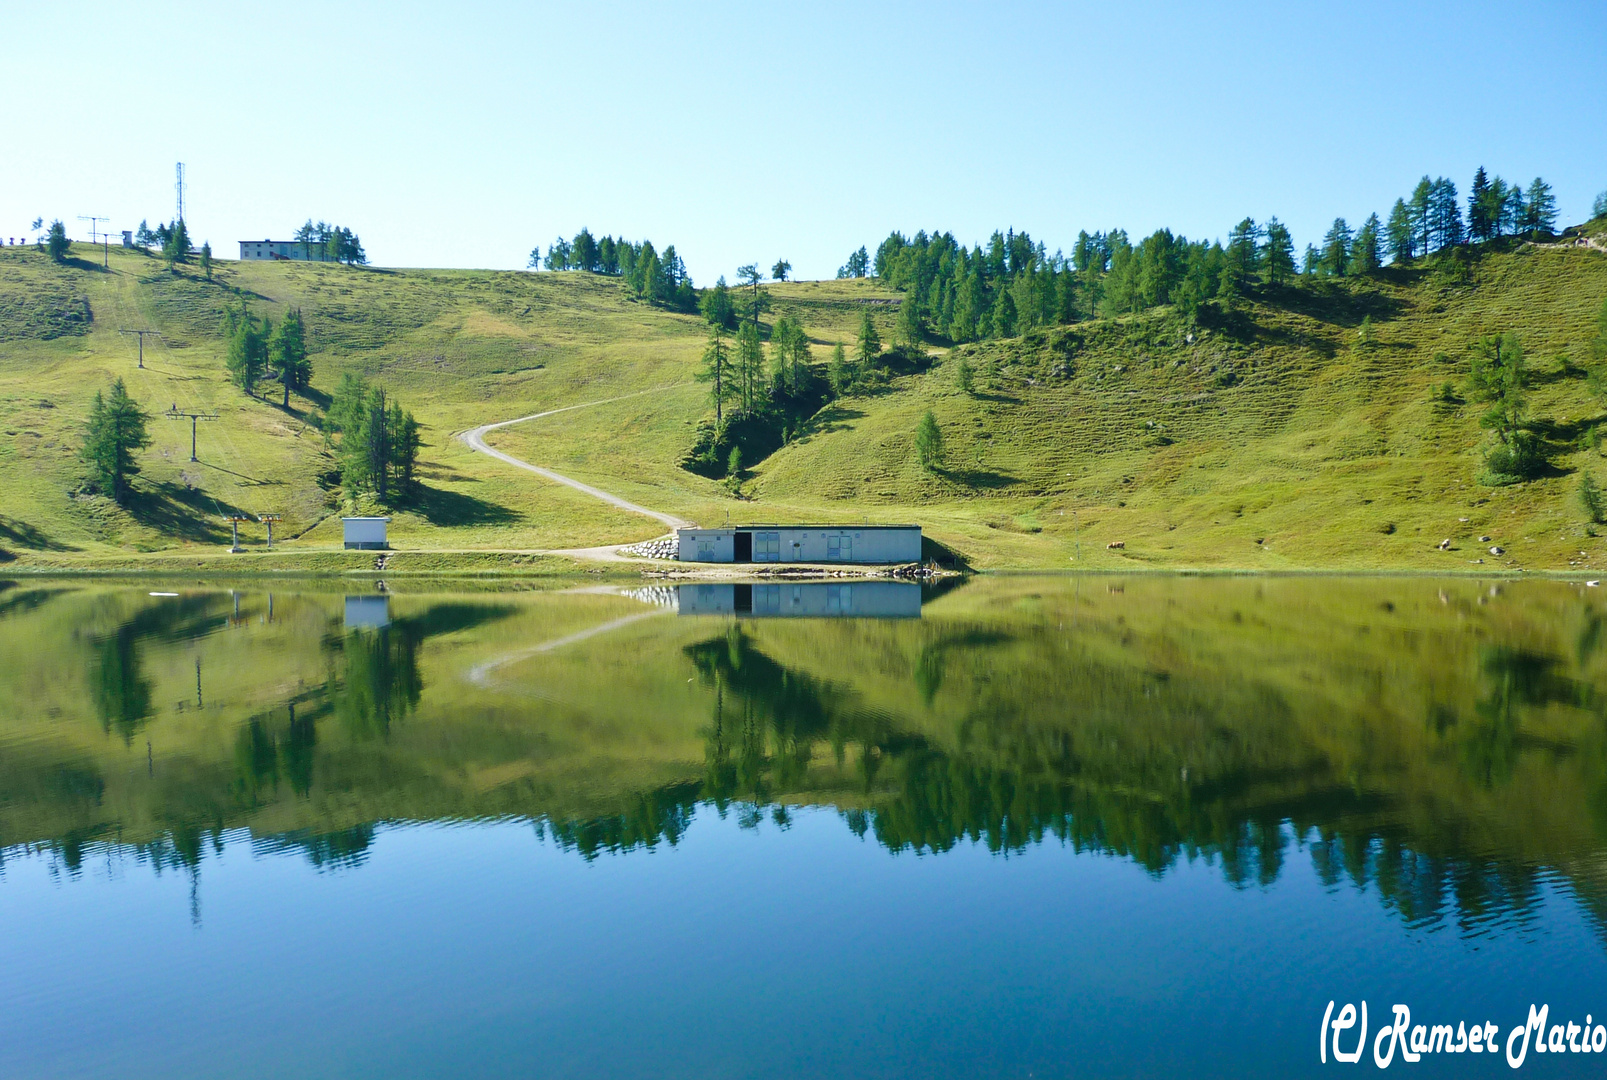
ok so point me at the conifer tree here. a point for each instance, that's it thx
(1242, 253)
(1419, 207)
(1336, 249)
(1514, 211)
(910, 330)
(1481, 225)
(1540, 209)
(56, 242)
(1401, 234)
(287, 353)
(716, 371)
(1365, 256)
(838, 373)
(115, 432)
(717, 307)
(869, 346)
(1277, 254)
(929, 442)
(248, 348)
(749, 364)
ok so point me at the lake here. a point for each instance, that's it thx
(1010, 826)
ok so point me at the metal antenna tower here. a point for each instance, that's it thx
(179, 171)
(94, 236)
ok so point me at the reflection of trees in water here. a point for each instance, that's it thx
(659, 816)
(341, 849)
(375, 681)
(381, 682)
(1026, 785)
(121, 692)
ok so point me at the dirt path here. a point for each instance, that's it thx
(475, 438)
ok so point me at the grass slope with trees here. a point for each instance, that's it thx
(1199, 405)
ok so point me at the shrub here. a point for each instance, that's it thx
(1590, 499)
(1513, 462)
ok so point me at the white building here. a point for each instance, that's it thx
(801, 544)
(295, 250)
(365, 533)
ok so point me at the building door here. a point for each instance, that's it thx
(767, 547)
(743, 542)
(840, 548)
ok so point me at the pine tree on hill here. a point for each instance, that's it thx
(1336, 249)
(247, 349)
(1365, 256)
(115, 432)
(1481, 225)
(1277, 254)
(716, 371)
(1419, 205)
(869, 346)
(1401, 234)
(1540, 209)
(287, 353)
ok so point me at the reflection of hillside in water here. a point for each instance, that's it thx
(1454, 766)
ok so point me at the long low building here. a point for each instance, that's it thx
(285, 250)
(801, 544)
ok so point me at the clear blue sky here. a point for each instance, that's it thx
(463, 134)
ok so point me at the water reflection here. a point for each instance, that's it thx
(1439, 747)
(810, 600)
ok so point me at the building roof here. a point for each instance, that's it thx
(804, 525)
(361, 518)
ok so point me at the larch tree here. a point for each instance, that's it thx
(115, 432)
(749, 364)
(56, 242)
(1401, 234)
(1336, 249)
(287, 353)
(1481, 222)
(247, 347)
(1277, 254)
(869, 346)
(1540, 217)
(1365, 253)
(929, 442)
(716, 371)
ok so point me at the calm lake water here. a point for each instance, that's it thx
(1017, 827)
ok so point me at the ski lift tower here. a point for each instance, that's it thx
(234, 531)
(268, 520)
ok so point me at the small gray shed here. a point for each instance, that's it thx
(801, 544)
(365, 533)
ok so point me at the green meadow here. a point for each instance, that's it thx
(1279, 437)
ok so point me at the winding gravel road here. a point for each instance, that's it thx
(475, 438)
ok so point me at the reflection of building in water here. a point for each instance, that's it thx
(367, 612)
(814, 599)
(657, 595)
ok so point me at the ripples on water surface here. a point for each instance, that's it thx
(1024, 826)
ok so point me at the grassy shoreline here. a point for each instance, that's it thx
(524, 565)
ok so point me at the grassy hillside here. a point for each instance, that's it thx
(1273, 438)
